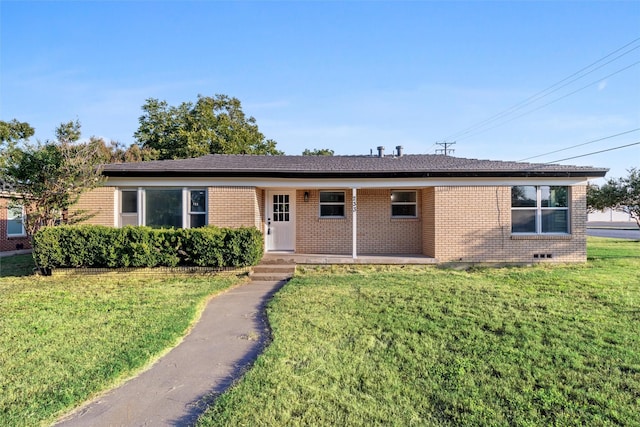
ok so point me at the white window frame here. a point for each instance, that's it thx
(539, 209)
(187, 205)
(404, 204)
(129, 214)
(141, 206)
(12, 217)
(343, 204)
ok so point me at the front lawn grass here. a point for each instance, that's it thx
(63, 339)
(17, 265)
(532, 346)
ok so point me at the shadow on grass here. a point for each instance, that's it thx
(17, 266)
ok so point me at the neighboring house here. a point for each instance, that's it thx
(448, 208)
(13, 236)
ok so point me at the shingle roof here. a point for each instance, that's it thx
(425, 165)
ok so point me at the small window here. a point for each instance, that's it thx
(404, 204)
(197, 208)
(540, 209)
(15, 226)
(332, 204)
(129, 207)
(281, 207)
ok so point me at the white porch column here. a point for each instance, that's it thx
(354, 207)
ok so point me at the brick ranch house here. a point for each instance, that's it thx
(13, 236)
(447, 208)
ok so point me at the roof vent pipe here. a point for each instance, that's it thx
(381, 151)
(399, 148)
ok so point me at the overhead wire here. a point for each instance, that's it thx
(548, 91)
(555, 100)
(580, 145)
(595, 152)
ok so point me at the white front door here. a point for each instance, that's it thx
(280, 221)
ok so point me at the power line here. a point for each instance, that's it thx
(548, 91)
(429, 149)
(595, 152)
(555, 100)
(580, 145)
(539, 96)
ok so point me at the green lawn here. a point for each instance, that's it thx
(532, 346)
(63, 339)
(17, 265)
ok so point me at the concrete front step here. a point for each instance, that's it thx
(274, 268)
(270, 277)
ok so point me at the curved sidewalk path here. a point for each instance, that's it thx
(228, 337)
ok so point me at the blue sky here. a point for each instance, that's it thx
(348, 76)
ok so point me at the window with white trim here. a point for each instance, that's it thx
(163, 207)
(128, 207)
(332, 204)
(404, 204)
(197, 208)
(539, 209)
(160, 207)
(15, 226)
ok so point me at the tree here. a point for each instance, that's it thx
(212, 125)
(12, 132)
(318, 152)
(48, 178)
(622, 194)
(115, 152)
(15, 131)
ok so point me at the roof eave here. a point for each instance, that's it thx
(594, 173)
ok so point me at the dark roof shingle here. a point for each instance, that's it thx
(425, 165)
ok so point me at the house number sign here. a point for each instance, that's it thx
(354, 203)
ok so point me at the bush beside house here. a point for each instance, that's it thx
(98, 246)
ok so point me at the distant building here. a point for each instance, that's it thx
(609, 215)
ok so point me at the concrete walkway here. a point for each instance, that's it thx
(177, 388)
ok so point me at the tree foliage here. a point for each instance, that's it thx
(318, 152)
(14, 131)
(116, 152)
(621, 194)
(48, 178)
(212, 125)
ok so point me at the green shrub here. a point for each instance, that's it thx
(206, 246)
(244, 247)
(100, 246)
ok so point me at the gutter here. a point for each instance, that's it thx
(349, 174)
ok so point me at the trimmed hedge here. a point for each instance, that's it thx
(98, 246)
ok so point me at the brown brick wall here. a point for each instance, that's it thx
(98, 201)
(235, 206)
(321, 236)
(428, 222)
(378, 233)
(259, 209)
(473, 224)
(9, 243)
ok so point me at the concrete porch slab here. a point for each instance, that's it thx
(390, 259)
